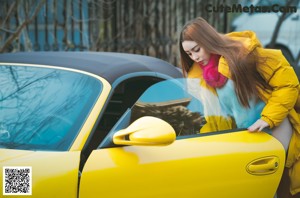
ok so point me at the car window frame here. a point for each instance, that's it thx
(107, 142)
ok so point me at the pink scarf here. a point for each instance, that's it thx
(211, 74)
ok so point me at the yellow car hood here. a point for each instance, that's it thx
(9, 154)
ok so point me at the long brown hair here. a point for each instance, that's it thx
(242, 62)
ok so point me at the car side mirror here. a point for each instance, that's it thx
(146, 131)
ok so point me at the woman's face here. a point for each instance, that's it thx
(195, 52)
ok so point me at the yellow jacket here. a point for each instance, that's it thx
(281, 102)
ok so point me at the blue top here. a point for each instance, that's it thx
(244, 117)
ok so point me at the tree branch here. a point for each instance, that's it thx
(16, 34)
(11, 8)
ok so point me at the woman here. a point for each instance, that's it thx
(257, 75)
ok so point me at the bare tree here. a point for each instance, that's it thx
(147, 27)
(15, 33)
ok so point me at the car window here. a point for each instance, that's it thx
(191, 108)
(43, 108)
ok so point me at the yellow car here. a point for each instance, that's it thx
(91, 124)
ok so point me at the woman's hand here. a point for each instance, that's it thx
(259, 125)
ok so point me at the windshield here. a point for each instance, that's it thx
(43, 108)
(192, 107)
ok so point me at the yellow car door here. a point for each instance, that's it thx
(234, 164)
(178, 141)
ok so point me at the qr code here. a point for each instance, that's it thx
(17, 180)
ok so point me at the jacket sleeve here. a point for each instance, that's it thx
(283, 79)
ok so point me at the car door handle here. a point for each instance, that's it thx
(263, 166)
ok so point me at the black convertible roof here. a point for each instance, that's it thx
(109, 65)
